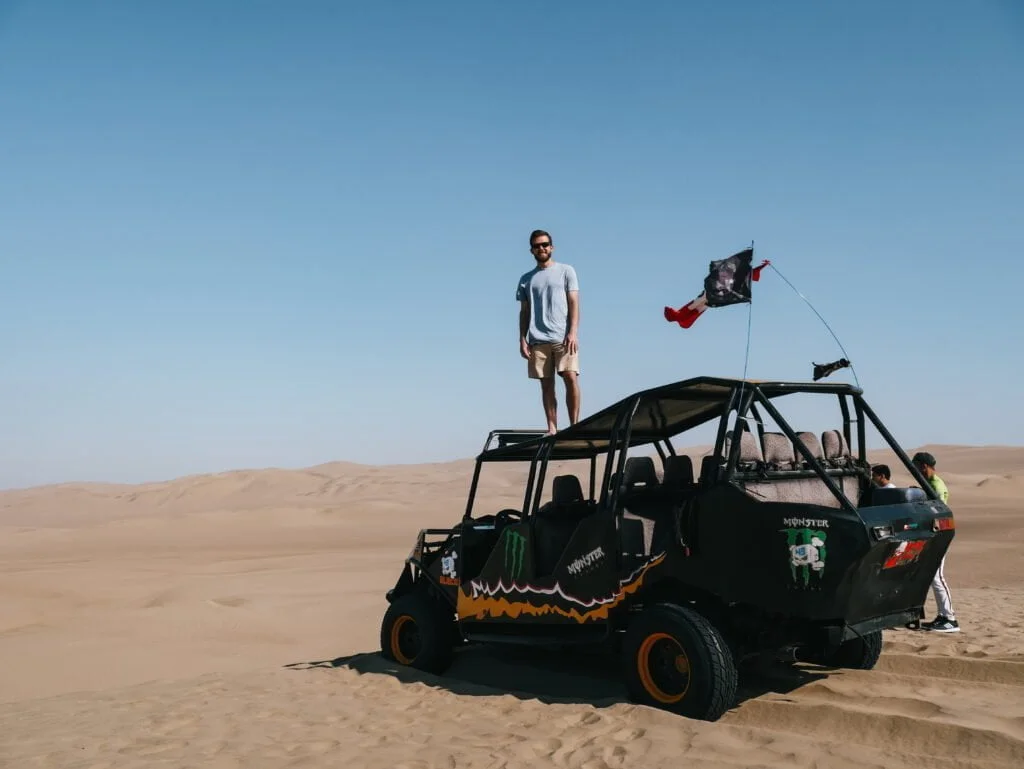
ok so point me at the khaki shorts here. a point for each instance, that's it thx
(546, 359)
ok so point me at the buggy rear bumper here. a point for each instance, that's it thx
(831, 636)
(840, 634)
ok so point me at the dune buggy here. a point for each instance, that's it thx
(779, 541)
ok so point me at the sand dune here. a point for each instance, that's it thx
(231, 620)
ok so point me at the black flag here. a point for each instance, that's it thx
(822, 370)
(728, 280)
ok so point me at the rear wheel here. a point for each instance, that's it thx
(676, 660)
(418, 631)
(859, 653)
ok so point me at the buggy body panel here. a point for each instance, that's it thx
(814, 563)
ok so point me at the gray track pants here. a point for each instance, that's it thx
(941, 592)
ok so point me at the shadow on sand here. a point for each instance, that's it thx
(563, 676)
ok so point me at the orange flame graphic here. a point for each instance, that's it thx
(482, 606)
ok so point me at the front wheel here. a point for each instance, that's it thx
(675, 659)
(417, 631)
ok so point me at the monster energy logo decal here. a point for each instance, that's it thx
(806, 554)
(515, 549)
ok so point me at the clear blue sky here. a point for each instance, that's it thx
(249, 234)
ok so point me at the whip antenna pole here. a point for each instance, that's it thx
(833, 333)
(746, 356)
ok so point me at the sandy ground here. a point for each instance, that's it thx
(232, 621)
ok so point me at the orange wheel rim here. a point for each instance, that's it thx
(664, 668)
(404, 623)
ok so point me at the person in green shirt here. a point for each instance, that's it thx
(945, 620)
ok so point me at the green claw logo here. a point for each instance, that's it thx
(806, 553)
(515, 549)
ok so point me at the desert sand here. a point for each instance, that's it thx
(231, 620)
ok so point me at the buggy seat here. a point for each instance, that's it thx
(556, 522)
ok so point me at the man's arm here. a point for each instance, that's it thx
(571, 341)
(524, 327)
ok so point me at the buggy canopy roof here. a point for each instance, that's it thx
(661, 413)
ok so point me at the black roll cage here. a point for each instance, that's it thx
(586, 440)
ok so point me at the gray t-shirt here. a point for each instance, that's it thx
(546, 288)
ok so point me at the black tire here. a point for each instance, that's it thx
(419, 631)
(662, 641)
(860, 653)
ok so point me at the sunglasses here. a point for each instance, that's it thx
(545, 244)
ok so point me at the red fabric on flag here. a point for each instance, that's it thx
(688, 313)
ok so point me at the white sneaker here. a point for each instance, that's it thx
(942, 625)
